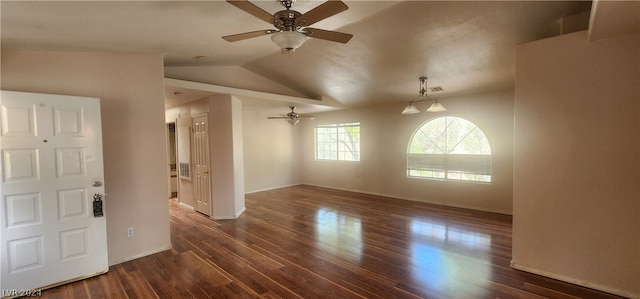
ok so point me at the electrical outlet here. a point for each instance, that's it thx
(129, 232)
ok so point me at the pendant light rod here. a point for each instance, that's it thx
(423, 86)
(423, 97)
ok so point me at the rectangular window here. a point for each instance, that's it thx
(338, 142)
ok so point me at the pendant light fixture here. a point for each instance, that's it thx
(423, 97)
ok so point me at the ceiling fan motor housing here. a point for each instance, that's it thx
(288, 18)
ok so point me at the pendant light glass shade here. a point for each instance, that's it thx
(293, 121)
(436, 107)
(410, 109)
(288, 40)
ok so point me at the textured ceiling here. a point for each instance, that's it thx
(464, 47)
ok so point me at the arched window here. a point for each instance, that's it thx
(449, 148)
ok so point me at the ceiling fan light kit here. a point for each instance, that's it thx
(291, 25)
(423, 97)
(288, 40)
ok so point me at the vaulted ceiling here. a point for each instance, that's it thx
(464, 47)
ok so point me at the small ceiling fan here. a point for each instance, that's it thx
(291, 26)
(292, 117)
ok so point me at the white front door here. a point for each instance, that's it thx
(201, 181)
(51, 170)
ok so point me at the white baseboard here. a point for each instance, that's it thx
(271, 188)
(224, 217)
(595, 286)
(137, 256)
(411, 199)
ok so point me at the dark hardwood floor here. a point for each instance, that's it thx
(309, 242)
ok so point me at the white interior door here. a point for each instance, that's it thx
(51, 169)
(201, 181)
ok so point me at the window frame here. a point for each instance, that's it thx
(451, 165)
(329, 145)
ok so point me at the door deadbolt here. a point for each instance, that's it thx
(97, 205)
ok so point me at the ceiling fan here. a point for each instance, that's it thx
(292, 117)
(291, 26)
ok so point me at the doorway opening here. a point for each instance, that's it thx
(172, 160)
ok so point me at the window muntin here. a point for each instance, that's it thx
(449, 148)
(338, 142)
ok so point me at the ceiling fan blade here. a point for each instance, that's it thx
(321, 12)
(307, 116)
(333, 36)
(246, 35)
(278, 117)
(254, 10)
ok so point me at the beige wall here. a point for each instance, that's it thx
(271, 152)
(385, 135)
(131, 90)
(226, 151)
(577, 161)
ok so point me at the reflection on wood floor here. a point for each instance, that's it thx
(309, 242)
